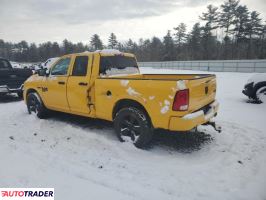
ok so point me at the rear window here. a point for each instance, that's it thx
(118, 65)
(4, 64)
(80, 66)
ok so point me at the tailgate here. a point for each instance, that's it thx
(201, 92)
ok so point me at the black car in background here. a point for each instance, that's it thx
(12, 79)
(255, 88)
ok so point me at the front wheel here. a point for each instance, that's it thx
(132, 125)
(20, 94)
(35, 105)
(261, 95)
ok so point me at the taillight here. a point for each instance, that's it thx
(181, 100)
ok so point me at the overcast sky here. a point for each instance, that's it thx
(54, 20)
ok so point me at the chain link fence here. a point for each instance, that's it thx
(212, 65)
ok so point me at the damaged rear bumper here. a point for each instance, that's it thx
(194, 119)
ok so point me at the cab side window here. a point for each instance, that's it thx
(80, 66)
(61, 67)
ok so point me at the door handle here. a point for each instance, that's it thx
(61, 82)
(83, 84)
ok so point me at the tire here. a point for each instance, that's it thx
(20, 94)
(35, 104)
(261, 94)
(132, 124)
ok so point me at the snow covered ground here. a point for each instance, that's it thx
(82, 158)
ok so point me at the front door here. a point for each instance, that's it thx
(78, 85)
(54, 93)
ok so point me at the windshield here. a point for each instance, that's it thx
(118, 65)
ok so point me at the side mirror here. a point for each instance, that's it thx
(43, 72)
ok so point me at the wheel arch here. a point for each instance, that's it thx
(30, 91)
(259, 85)
(123, 103)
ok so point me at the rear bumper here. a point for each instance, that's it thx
(248, 93)
(194, 119)
(4, 89)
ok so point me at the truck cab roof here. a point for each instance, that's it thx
(104, 52)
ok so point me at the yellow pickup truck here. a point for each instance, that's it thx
(107, 85)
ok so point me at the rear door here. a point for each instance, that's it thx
(78, 85)
(54, 88)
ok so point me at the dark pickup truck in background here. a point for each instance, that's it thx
(12, 79)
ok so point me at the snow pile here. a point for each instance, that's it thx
(124, 83)
(120, 72)
(193, 115)
(151, 97)
(181, 85)
(109, 51)
(257, 78)
(132, 92)
(166, 107)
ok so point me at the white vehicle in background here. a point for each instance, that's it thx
(20, 65)
(16, 65)
(43, 65)
(255, 88)
(49, 62)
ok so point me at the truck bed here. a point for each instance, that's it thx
(156, 92)
(165, 77)
(14, 78)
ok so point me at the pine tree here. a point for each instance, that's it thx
(208, 43)
(96, 43)
(180, 39)
(55, 49)
(67, 47)
(129, 46)
(144, 50)
(254, 29)
(194, 42)
(33, 53)
(120, 46)
(226, 18)
(254, 26)
(180, 34)
(169, 47)
(211, 18)
(240, 23)
(262, 42)
(112, 41)
(79, 47)
(156, 48)
(208, 40)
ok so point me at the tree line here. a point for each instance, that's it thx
(229, 31)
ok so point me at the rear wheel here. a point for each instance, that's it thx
(35, 105)
(261, 95)
(132, 125)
